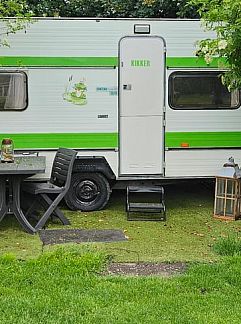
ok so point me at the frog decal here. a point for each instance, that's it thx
(76, 93)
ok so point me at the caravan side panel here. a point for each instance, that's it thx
(57, 115)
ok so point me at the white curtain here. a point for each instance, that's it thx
(234, 98)
(16, 96)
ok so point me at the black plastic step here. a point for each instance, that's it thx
(146, 189)
(145, 206)
(137, 207)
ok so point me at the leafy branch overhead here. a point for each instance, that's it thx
(224, 18)
(113, 8)
(21, 14)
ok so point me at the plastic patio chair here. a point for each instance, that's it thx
(58, 184)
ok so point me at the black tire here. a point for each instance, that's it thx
(88, 192)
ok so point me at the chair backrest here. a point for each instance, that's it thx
(62, 167)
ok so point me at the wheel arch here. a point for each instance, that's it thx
(94, 164)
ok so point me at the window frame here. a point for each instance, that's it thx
(26, 88)
(193, 73)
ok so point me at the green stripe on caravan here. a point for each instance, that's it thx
(35, 61)
(203, 139)
(110, 140)
(56, 140)
(193, 62)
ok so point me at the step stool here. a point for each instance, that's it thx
(145, 207)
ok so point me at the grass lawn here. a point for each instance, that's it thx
(65, 284)
(64, 287)
(187, 235)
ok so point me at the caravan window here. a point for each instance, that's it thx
(200, 90)
(13, 91)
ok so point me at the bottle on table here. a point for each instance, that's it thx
(7, 150)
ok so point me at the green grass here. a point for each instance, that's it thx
(230, 245)
(65, 287)
(188, 234)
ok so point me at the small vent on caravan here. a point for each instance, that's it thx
(142, 29)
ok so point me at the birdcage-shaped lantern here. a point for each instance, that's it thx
(227, 203)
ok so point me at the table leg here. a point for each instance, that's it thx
(16, 208)
(3, 203)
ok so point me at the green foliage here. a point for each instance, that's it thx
(11, 8)
(230, 245)
(224, 18)
(22, 17)
(112, 8)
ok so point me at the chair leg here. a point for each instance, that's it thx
(32, 208)
(56, 211)
(52, 206)
(30, 213)
(46, 202)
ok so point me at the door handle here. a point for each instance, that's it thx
(126, 86)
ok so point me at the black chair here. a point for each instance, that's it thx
(58, 184)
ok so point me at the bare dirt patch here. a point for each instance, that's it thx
(146, 269)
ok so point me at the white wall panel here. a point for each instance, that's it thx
(48, 112)
(81, 37)
(198, 163)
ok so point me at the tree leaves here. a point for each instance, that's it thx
(224, 18)
(22, 17)
(113, 8)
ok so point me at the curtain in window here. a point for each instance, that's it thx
(234, 98)
(16, 96)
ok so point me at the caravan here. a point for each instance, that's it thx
(128, 94)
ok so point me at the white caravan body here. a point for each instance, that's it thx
(112, 88)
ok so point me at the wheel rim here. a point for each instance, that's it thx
(86, 191)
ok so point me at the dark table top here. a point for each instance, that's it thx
(24, 165)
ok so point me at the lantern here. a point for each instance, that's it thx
(227, 203)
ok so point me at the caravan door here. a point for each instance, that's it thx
(141, 105)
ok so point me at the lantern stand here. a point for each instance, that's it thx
(227, 204)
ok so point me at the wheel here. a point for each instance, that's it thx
(88, 192)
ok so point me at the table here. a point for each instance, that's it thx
(11, 176)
